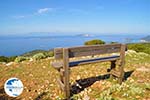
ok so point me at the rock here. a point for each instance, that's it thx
(49, 72)
(3, 63)
(131, 51)
(50, 58)
(86, 97)
(89, 90)
(47, 81)
(31, 59)
(31, 75)
(140, 81)
(10, 63)
(51, 85)
(137, 96)
(78, 77)
(131, 80)
(44, 67)
(143, 69)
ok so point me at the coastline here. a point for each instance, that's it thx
(24, 44)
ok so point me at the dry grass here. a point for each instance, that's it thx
(39, 80)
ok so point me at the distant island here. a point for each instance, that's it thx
(146, 39)
(85, 35)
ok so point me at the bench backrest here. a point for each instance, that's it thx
(89, 50)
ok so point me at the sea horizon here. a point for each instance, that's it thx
(15, 45)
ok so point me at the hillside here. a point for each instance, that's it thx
(32, 53)
(147, 38)
(140, 47)
(39, 80)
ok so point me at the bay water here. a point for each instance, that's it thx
(17, 45)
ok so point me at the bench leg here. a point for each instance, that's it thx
(121, 77)
(112, 67)
(122, 63)
(67, 85)
(64, 83)
(61, 75)
(66, 73)
(61, 79)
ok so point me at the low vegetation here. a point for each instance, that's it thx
(32, 53)
(140, 47)
(21, 58)
(7, 59)
(36, 55)
(39, 80)
(94, 42)
(39, 56)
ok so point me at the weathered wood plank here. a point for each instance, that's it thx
(112, 67)
(89, 61)
(62, 72)
(122, 62)
(115, 73)
(58, 53)
(58, 65)
(62, 86)
(88, 50)
(66, 72)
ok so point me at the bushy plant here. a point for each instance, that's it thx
(39, 56)
(3, 59)
(113, 42)
(49, 54)
(140, 47)
(21, 58)
(94, 42)
(7, 59)
(12, 58)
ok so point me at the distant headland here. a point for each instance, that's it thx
(146, 39)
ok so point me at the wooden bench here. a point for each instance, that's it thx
(64, 65)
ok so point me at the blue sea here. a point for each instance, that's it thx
(17, 45)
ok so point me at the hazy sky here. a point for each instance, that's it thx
(95, 16)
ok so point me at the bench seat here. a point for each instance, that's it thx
(58, 65)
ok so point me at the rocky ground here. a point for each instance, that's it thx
(39, 80)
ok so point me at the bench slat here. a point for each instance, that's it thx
(115, 73)
(81, 62)
(88, 50)
(58, 65)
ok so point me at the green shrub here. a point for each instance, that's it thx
(39, 56)
(49, 54)
(3, 59)
(140, 47)
(113, 42)
(94, 42)
(12, 58)
(21, 58)
(7, 59)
